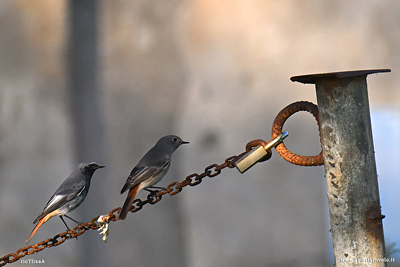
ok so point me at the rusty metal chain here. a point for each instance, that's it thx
(192, 180)
(172, 189)
(56, 240)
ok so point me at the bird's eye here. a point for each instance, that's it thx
(175, 139)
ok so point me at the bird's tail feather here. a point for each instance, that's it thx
(39, 218)
(41, 221)
(128, 202)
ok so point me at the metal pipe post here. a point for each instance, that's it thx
(350, 170)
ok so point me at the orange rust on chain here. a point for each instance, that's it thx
(254, 143)
(277, 130)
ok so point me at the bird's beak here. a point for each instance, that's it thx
(185, 142)
(99, 167)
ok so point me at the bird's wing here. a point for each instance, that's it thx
(142, 173)
(65, 193)
(71, 188)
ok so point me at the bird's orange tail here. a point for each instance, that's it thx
(128, 203)
(41, 221)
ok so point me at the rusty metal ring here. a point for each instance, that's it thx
(277, 130)
(258, 142)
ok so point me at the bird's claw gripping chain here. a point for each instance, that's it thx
(192, 180)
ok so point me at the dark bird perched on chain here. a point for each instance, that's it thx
(150, 170)
(71, 193)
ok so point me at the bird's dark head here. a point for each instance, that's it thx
(89, 168)
(171, 141)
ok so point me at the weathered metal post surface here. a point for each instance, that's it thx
(350, 170)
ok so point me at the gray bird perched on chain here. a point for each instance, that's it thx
(150, 170)
(71, 193)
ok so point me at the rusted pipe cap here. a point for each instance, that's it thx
(313, 78)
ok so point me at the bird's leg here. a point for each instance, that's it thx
(73, 220)
(69, 230)
(62, 219)
(153, 193)
(79, 223)
(159, 188)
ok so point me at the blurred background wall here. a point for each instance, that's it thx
(104, 80)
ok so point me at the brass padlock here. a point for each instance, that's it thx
(258, 153)
(252, 157)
